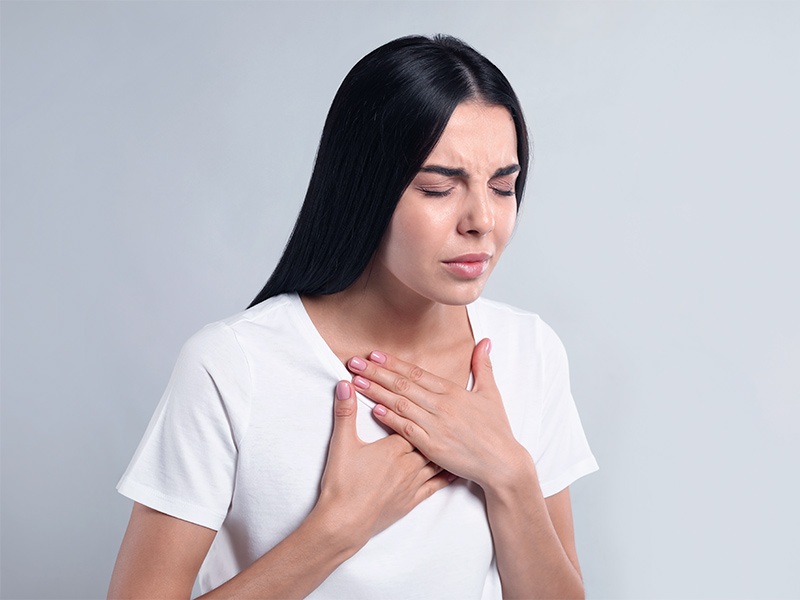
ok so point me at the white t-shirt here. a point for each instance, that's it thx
(239, 442)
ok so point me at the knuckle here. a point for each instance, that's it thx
(408, 430)
(401, 384)
(401, 407)
(415, 374)
(344, 411)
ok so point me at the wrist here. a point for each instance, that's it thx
(335, 531)
(516, 474)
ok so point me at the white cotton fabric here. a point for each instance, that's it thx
(239, 441)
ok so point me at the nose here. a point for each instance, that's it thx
(477, 216)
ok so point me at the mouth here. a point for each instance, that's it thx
(468, 266)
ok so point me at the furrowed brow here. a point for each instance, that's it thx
(506, 171)
(446, 171)
(449, 172)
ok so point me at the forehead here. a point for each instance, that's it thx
(477, 137)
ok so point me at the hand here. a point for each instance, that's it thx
(466, 432)
(367, 487)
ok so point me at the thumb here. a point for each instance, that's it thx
(482, 367)
(344, 415)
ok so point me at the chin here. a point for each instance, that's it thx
(467, 294)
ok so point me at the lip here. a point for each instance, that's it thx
(466, 258)
(468, 266)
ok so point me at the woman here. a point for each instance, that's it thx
(435, 475)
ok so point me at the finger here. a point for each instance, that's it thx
(428, 470)
(419, 464)
(407, 428)
(397, 375)
(415, 374)
(426, 473)
(482, 367)
(400, 445)
(397, 391)
(405, 406)
(433, 485)
(344, 415)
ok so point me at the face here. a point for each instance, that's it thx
(454, 220)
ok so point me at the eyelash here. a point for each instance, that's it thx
(435, 194)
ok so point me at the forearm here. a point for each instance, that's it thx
(297, 565)
(531, 558)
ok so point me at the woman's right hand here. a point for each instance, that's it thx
(365, 488)
(368, 486)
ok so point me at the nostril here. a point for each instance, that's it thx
(480, 232)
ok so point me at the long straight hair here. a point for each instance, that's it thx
(385, 119)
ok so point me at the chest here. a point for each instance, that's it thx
(281, 463)
(451, 360)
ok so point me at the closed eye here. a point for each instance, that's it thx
(503, 192)
(436, 193)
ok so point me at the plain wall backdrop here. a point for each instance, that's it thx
(154, 157)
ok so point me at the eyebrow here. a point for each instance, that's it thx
(448, 172)
(506, 171)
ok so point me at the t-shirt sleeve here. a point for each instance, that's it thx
(562, 454)
(185, 465)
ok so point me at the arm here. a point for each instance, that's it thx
(467, 432)
(534, 541)
(160, 557)
(365, 488)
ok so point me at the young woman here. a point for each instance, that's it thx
(438, 472)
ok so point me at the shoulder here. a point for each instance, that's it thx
(216, 365)
(526, 327)
(226, 338)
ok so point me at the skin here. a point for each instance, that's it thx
(409, 304)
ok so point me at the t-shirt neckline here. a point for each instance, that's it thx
(328, 357)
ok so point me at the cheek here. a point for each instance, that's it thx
(414, 231)
(401, 242)
(504, 226)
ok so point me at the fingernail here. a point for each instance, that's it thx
(342, 390)
(488, 346)
(360, 382)
(451, 478)
(357, 364)
(378, 357)
(379, 410)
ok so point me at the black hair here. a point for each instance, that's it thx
(385, 119)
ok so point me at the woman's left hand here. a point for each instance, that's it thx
(465, 432)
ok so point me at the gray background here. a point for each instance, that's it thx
(154, 155)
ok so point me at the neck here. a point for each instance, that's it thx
(368, 316)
